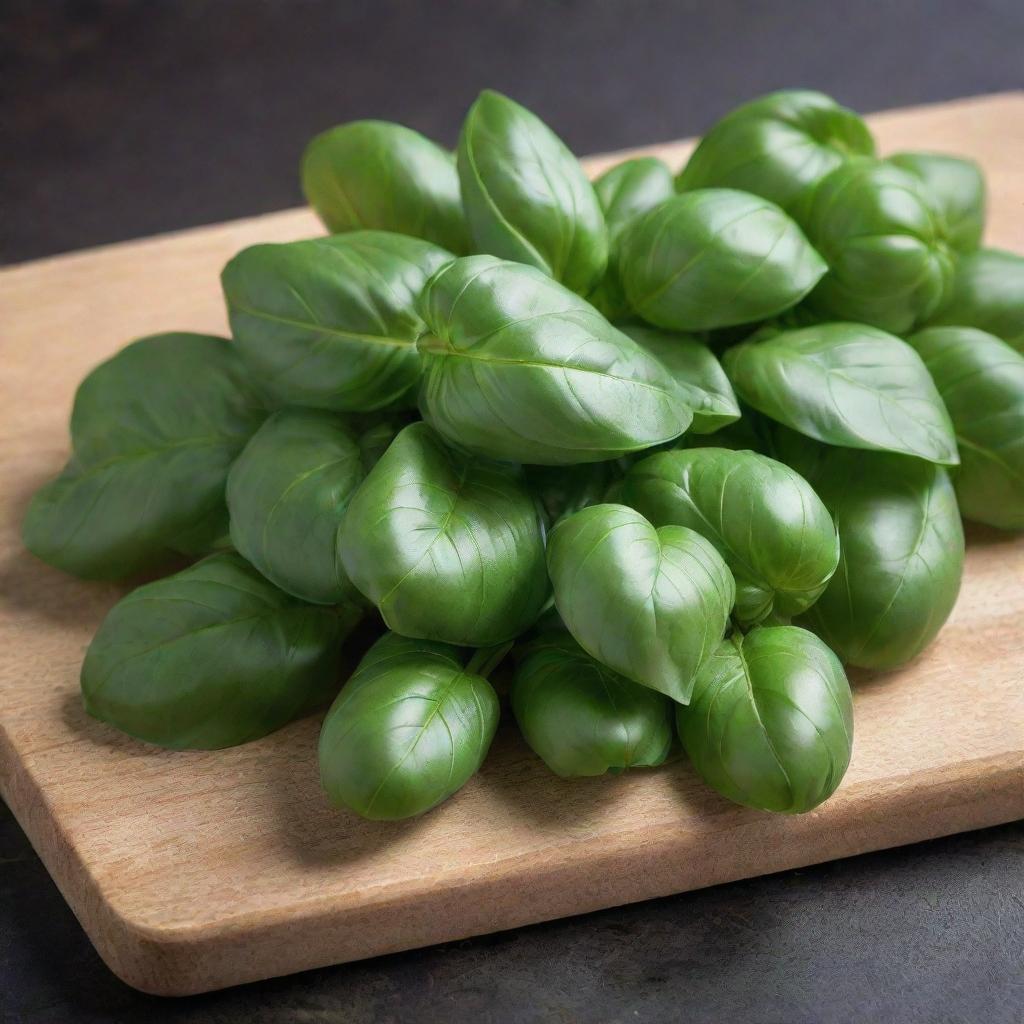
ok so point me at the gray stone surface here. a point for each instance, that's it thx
(127, 117)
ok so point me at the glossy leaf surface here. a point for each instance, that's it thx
(331, 322)
(211, 657)
(957, 188)
(890, 263)
(517, 367)
(988, 293)
(765, 520)
(981, 380)
(697, 372)
(288, 493)
(651, 604)
(771, 720)
(386, 177)
(525, 195)
(153, 432)
(630, 188)
(846, 384)
(410, 727)
(447, 546)
(625, 191)
(902, 547)
(713, 258)
(581, 718)
(778, 146)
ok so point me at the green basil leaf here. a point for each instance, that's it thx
(608, 298)
(583, 719)
(846, 384)
(374, 441)
(625, 191)
(332, 322)
(988, 293)
(765, 520)
(714, 258)
(211, 657)
(211, 533)
(563, 490)
(650, 604)
(981, 380)
(698, 373)
(447, 546)
(288, 493)
(374, 431)
(411, 726)
(890, 264)
(384, 176)
(902, 547)
(517, 367)
(525, 195)
(153, 432)
(957, 189)
(630, 188)
(750, 433)
(771, 720)
(778, 146)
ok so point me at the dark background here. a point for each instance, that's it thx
(129, 117)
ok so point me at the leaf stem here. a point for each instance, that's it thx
(486, 659)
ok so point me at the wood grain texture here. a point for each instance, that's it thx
(192, 871)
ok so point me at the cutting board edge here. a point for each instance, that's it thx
(182, 960)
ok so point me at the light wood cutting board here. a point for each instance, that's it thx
(192, 871)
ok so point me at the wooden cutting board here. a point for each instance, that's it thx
(192, 871)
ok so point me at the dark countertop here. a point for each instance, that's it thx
(129, 117)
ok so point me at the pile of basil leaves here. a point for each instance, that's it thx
(678, 447)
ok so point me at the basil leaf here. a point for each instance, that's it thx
(562, 490)
(153, 432)
(650, 604)
(288, 492)
(698, 373)
(846, 384)
(517, 367)
(902, 551)
(384, 176)
(981, 380)
(374, 431)
(411, 726)
(625, 191)
(957, 189)
(211, 533)
(988, 293)
(211, 657)
(778, 146)
(714, 258)
(771, 720)
(331, 322)
(885, 244)
(630, 188)
(751, 432)
(765, 520)
(525, 195)
(447, 546)
(374, 441)
(583, 719)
